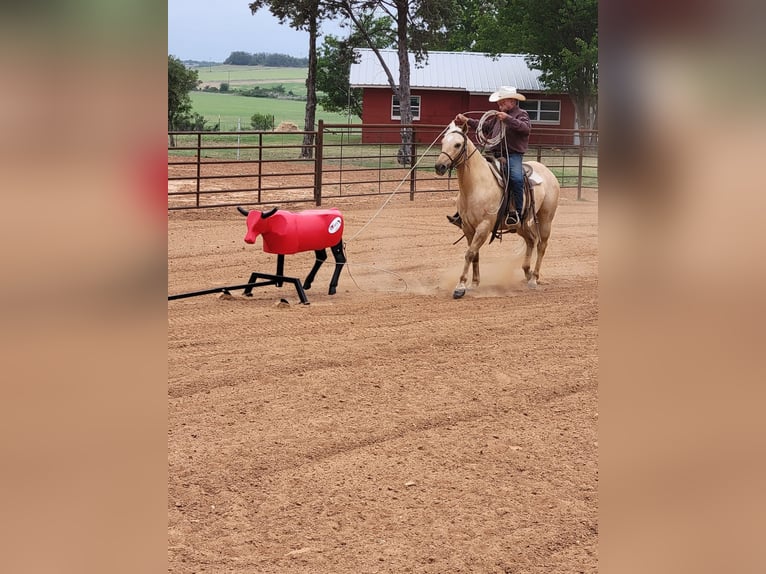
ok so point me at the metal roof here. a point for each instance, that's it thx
(473, 72)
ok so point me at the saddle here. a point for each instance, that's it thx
(498, 167)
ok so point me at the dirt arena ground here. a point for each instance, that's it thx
(387, 428)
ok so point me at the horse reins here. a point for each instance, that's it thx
(455, 162)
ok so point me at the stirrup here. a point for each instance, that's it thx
(512, 218)
(455, 220)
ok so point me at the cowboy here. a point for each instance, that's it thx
(514, 123)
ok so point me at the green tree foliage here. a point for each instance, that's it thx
(334, 66)
(416, 24)
(181, 81)
(561, 38)
(262, 122)
(264, 59)
(479, 26)
(239, 59)
(261, 92)
(196, 123)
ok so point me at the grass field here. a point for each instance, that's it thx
(242, 77)
(253, 75)
(227, 108)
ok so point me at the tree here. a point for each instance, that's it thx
(478, 27)
(334, 66)
(302, 15)
(181, 81)
(415, 23)
(262, 122)
(239, 59)
(561, 38)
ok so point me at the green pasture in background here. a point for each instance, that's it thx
(229, 107)
(252, 75)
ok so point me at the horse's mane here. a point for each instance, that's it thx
(452, 127)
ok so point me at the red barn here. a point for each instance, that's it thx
(456, 82)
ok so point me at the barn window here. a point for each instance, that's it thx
(396, 113)
(543, 111)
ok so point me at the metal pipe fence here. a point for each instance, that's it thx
(222, 169)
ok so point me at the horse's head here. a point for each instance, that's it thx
(453, 150)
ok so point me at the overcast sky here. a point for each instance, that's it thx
(213, 29)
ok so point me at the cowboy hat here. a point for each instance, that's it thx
(506, 92)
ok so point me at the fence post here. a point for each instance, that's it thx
(579, 171)
(260, 164)
(199, 154)
(318, 142)
(412, 166)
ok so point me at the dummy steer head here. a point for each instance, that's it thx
(257, 223)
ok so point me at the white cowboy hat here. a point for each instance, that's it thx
(506, 92)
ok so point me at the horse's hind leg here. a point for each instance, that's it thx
(340, 259)
(530, 241)
(321, 256)
(542, 245)
(475, 271)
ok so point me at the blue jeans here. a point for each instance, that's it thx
(516, 179)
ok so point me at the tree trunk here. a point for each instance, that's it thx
(405, 110)
(307, 151)
(586, 116)
(171, 137)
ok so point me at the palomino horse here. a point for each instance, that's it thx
(478, 202)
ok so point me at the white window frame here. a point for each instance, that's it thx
(396, 110)
(535, 113)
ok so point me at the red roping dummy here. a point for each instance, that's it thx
(286, 232)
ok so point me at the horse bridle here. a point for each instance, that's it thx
(455, 162)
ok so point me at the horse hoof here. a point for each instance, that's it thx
(458, 293)
(532, 284)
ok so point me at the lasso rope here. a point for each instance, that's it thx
(483, 140)
(391, 195)
(480, 138)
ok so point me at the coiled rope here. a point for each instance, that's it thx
(483, 140)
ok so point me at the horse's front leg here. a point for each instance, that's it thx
(460, 287)
(475, 278)
(472, 260)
